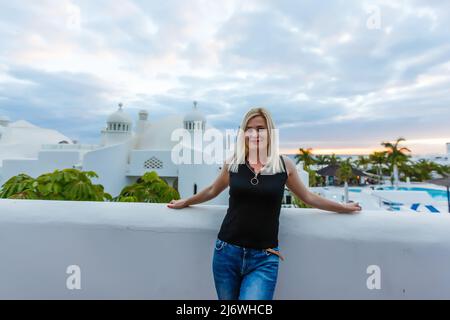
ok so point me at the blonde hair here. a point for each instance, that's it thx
(273, 164)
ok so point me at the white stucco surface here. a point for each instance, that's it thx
(147, 251)
(21, 139)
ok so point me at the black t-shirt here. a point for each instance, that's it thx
(253, 213)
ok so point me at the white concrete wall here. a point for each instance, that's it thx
(203, 175)
(48, 161)
(111, 165)
(138, 158)
(136, 250)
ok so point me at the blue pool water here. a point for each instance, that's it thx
(436, 194)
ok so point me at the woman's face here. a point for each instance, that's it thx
(256, 133)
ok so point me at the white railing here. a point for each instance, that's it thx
(137, 250)
(88, 147)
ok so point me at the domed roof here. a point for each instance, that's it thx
(119, 116)
(194, 115)
(157, 135)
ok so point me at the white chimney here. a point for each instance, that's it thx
(142, 122)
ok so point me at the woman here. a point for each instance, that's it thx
(246, 254)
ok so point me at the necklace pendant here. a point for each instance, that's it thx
(254, 181)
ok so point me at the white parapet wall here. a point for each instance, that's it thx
(147, 251)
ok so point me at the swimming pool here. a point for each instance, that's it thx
(435, 193)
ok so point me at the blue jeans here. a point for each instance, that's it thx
(244, 273)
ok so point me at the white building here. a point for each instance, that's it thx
(125, 153)
(23, 141)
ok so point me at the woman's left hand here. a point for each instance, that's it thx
(352, 207)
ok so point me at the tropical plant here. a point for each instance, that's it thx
(21, 186)
(298, 203)
(378, 159)
(149, 188)
(396, 157)
(305, 156)
(67, 184)
(333, 159)
(362, 163)
(345, 173)
(321, 160)
(422, 170)
(314, 179)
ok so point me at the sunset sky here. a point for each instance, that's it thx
(338, 76)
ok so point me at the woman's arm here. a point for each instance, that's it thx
(208, 193)
(298, 188)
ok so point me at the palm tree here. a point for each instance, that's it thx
(446, 170)
(378, 158)
(396, 156)
(321, 160)
(422, 170)
(345, 173)
(333, 159)
(305, 156)
(362, 163)
(443, 170)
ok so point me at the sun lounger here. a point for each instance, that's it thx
(432, 209)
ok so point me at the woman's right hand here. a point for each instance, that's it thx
(178, 204)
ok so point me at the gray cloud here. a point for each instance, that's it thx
(323, 74)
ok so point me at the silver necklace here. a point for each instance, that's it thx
(254, 181)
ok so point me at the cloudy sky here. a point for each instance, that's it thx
(338, 76)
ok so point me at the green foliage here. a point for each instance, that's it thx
(315, 180)
(379, 163)
(150, 188)
(18, 187)
(421, 170)
(298, 203)
(306, 156)
(67, 184)
(345, 171)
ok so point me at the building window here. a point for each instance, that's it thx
(153, 163)
(195, 188)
